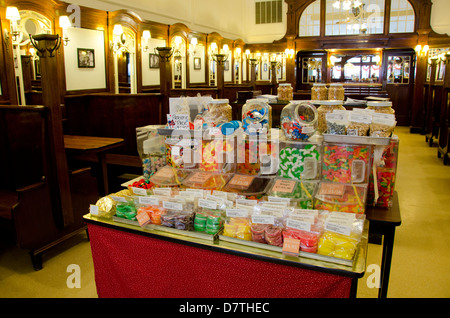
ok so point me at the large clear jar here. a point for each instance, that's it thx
(327, 106)
(256, 113)
(220, 110)
(285, 92)
(381, 107)
(299, 120)
(336, 91)
(319, 92)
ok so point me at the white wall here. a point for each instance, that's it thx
(197, 76)
(150, 76)
(85, 78)
(440, 22)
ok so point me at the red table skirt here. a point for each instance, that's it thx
(129, 265)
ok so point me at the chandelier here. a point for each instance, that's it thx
(347, 4)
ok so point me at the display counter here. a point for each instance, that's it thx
(134, 261)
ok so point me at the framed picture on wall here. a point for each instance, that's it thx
(197, 63)
(153, 61)
(86, 58)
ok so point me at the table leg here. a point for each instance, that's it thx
(104, 172)
(388, 246)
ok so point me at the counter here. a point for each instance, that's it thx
(132, 261)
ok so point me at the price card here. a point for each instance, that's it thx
(241, 181)
(263, 219)
(172, 206)
(150, 200)
(139, 191)
(199, 177)
(178, 121)
(291, 246)
(163, 191)
(285, 186)
(298, 224)
(237, 213)
(334, 189)
(93, 209)
(208, 204)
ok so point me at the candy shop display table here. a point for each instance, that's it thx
(83, 146)
(131, 261)
(383, 221)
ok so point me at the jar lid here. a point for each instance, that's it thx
(219, 101)
(336, 84)
(330, 102)
(380, 104)
(319, 84)
(285, 84)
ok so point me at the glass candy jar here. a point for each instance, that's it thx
(299, 120)
(326, 107)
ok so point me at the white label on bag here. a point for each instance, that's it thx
(93, 209)
(118, 199)
(237, 213)
(277, 199)
(247, 202)
(337, 227)
(276, 212)
(150, 200)
(163, 191)
(208, 204)
(172, 206)
(299, 225)
(139, 191)
(263, 219)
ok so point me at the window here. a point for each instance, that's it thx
(309, 24)
(398, 69)
(402, 17)
(268, 12)
(356, 17)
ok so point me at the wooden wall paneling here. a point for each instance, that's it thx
(201, 40)
(444, 131)
(7, 75)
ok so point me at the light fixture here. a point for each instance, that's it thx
(192, 46)
(13, 15)
(64, 23)
(178, 48)
(237, 54)
(118, 39)
(213, 48)
(355, 14)
(289, 52)
(421, 50)
(146, 36)
(225, 49)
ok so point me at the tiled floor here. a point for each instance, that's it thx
(420, 260)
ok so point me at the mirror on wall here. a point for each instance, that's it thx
(124, 48)
(178, 62)
(363, 68)
(398, 69)
(311, 70)
(26, 23)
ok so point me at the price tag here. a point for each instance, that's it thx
(241, 181)
(172, 206)
(208, 204)
(333, 189)
(291, 246)
(93, 209)
(286, 186)
(119, 199)
(163, 191)
(178, 121)
(149, 200)
(237, 213)
(298, 224)
(263, 219)
(139, 191)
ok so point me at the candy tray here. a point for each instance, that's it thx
(272, 248)
(160, 228)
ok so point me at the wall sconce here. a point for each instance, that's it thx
(192, 46)
(64, 23)
(12, 14)
(146, 36)
(377, 59)
(421, 51)
(117, 37)
(237, 54)
(332, 60)
(247, 53)
(289, 52)
(212, 48)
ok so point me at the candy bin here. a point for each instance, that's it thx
(299, 120)
(300, 160)
(346, 163)
(256, 114)
(341, 197)
(180, 151)
(218, 154)
(206, 180)
(336, 91)
(169, 177)
(319, 91)
(327, 106)
(299, 193)
(383, 176)
(381, 107)
(256, 156)
(151, 149)
(285, 92)
(251, 187)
